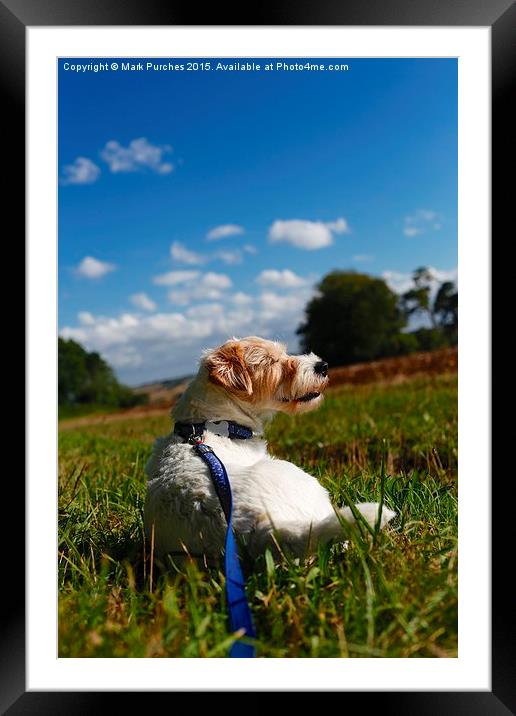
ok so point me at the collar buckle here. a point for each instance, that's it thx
(220, 427)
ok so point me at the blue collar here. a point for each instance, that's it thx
(224, 428)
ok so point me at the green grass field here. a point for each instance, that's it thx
(388, 595)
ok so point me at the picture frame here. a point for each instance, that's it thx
(15, 17)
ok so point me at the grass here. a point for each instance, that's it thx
(78, 411)
(392, 594)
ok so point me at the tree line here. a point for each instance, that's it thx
(355, 318)
(85, 378)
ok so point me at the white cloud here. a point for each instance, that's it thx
(141, 300)
(397, 281)
(143, 347)
(412, 231)
(85, 318)
(139, 155)
(281, 279)
(151, 346)
(420, 221)
(340, 226)
(242, 299)
(442, 276)
(207, 287)
(82, 171)
(181, 254)
(427, 214)
(401, 282)
(205, 310)
(309, 235)
(172, 278)
(216, 280)
(184, 297)
(93, 268)
(222, 232)
(275, 306)
(231, 257)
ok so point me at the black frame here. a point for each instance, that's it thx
(500, 15)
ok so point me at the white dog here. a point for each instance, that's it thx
(244, 382)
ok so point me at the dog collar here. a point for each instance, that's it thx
(224, 428)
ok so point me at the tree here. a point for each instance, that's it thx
(429, 339)
(86, 378)
(441, 309)
(72, 373)
(353, 318)
(446, 310)
(417, 299)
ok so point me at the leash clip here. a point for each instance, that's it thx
(202, 448)
(193, 439)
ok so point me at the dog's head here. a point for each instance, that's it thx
(262, 374)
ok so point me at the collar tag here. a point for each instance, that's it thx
(221, 427)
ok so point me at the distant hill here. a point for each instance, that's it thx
(163, 392)
(166, 383)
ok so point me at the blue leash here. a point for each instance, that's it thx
(239, 612)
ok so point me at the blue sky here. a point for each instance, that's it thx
(195, 205)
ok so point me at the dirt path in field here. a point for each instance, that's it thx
(388, 370)
(130, 414)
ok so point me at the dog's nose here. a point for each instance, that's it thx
(321, 368)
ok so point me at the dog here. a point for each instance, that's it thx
(275, 504)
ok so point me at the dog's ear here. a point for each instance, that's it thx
(227, 367)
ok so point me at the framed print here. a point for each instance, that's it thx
(188, 179)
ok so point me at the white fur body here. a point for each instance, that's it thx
(270, 496)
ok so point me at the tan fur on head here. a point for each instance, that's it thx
(227, 368)
(261, 372)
